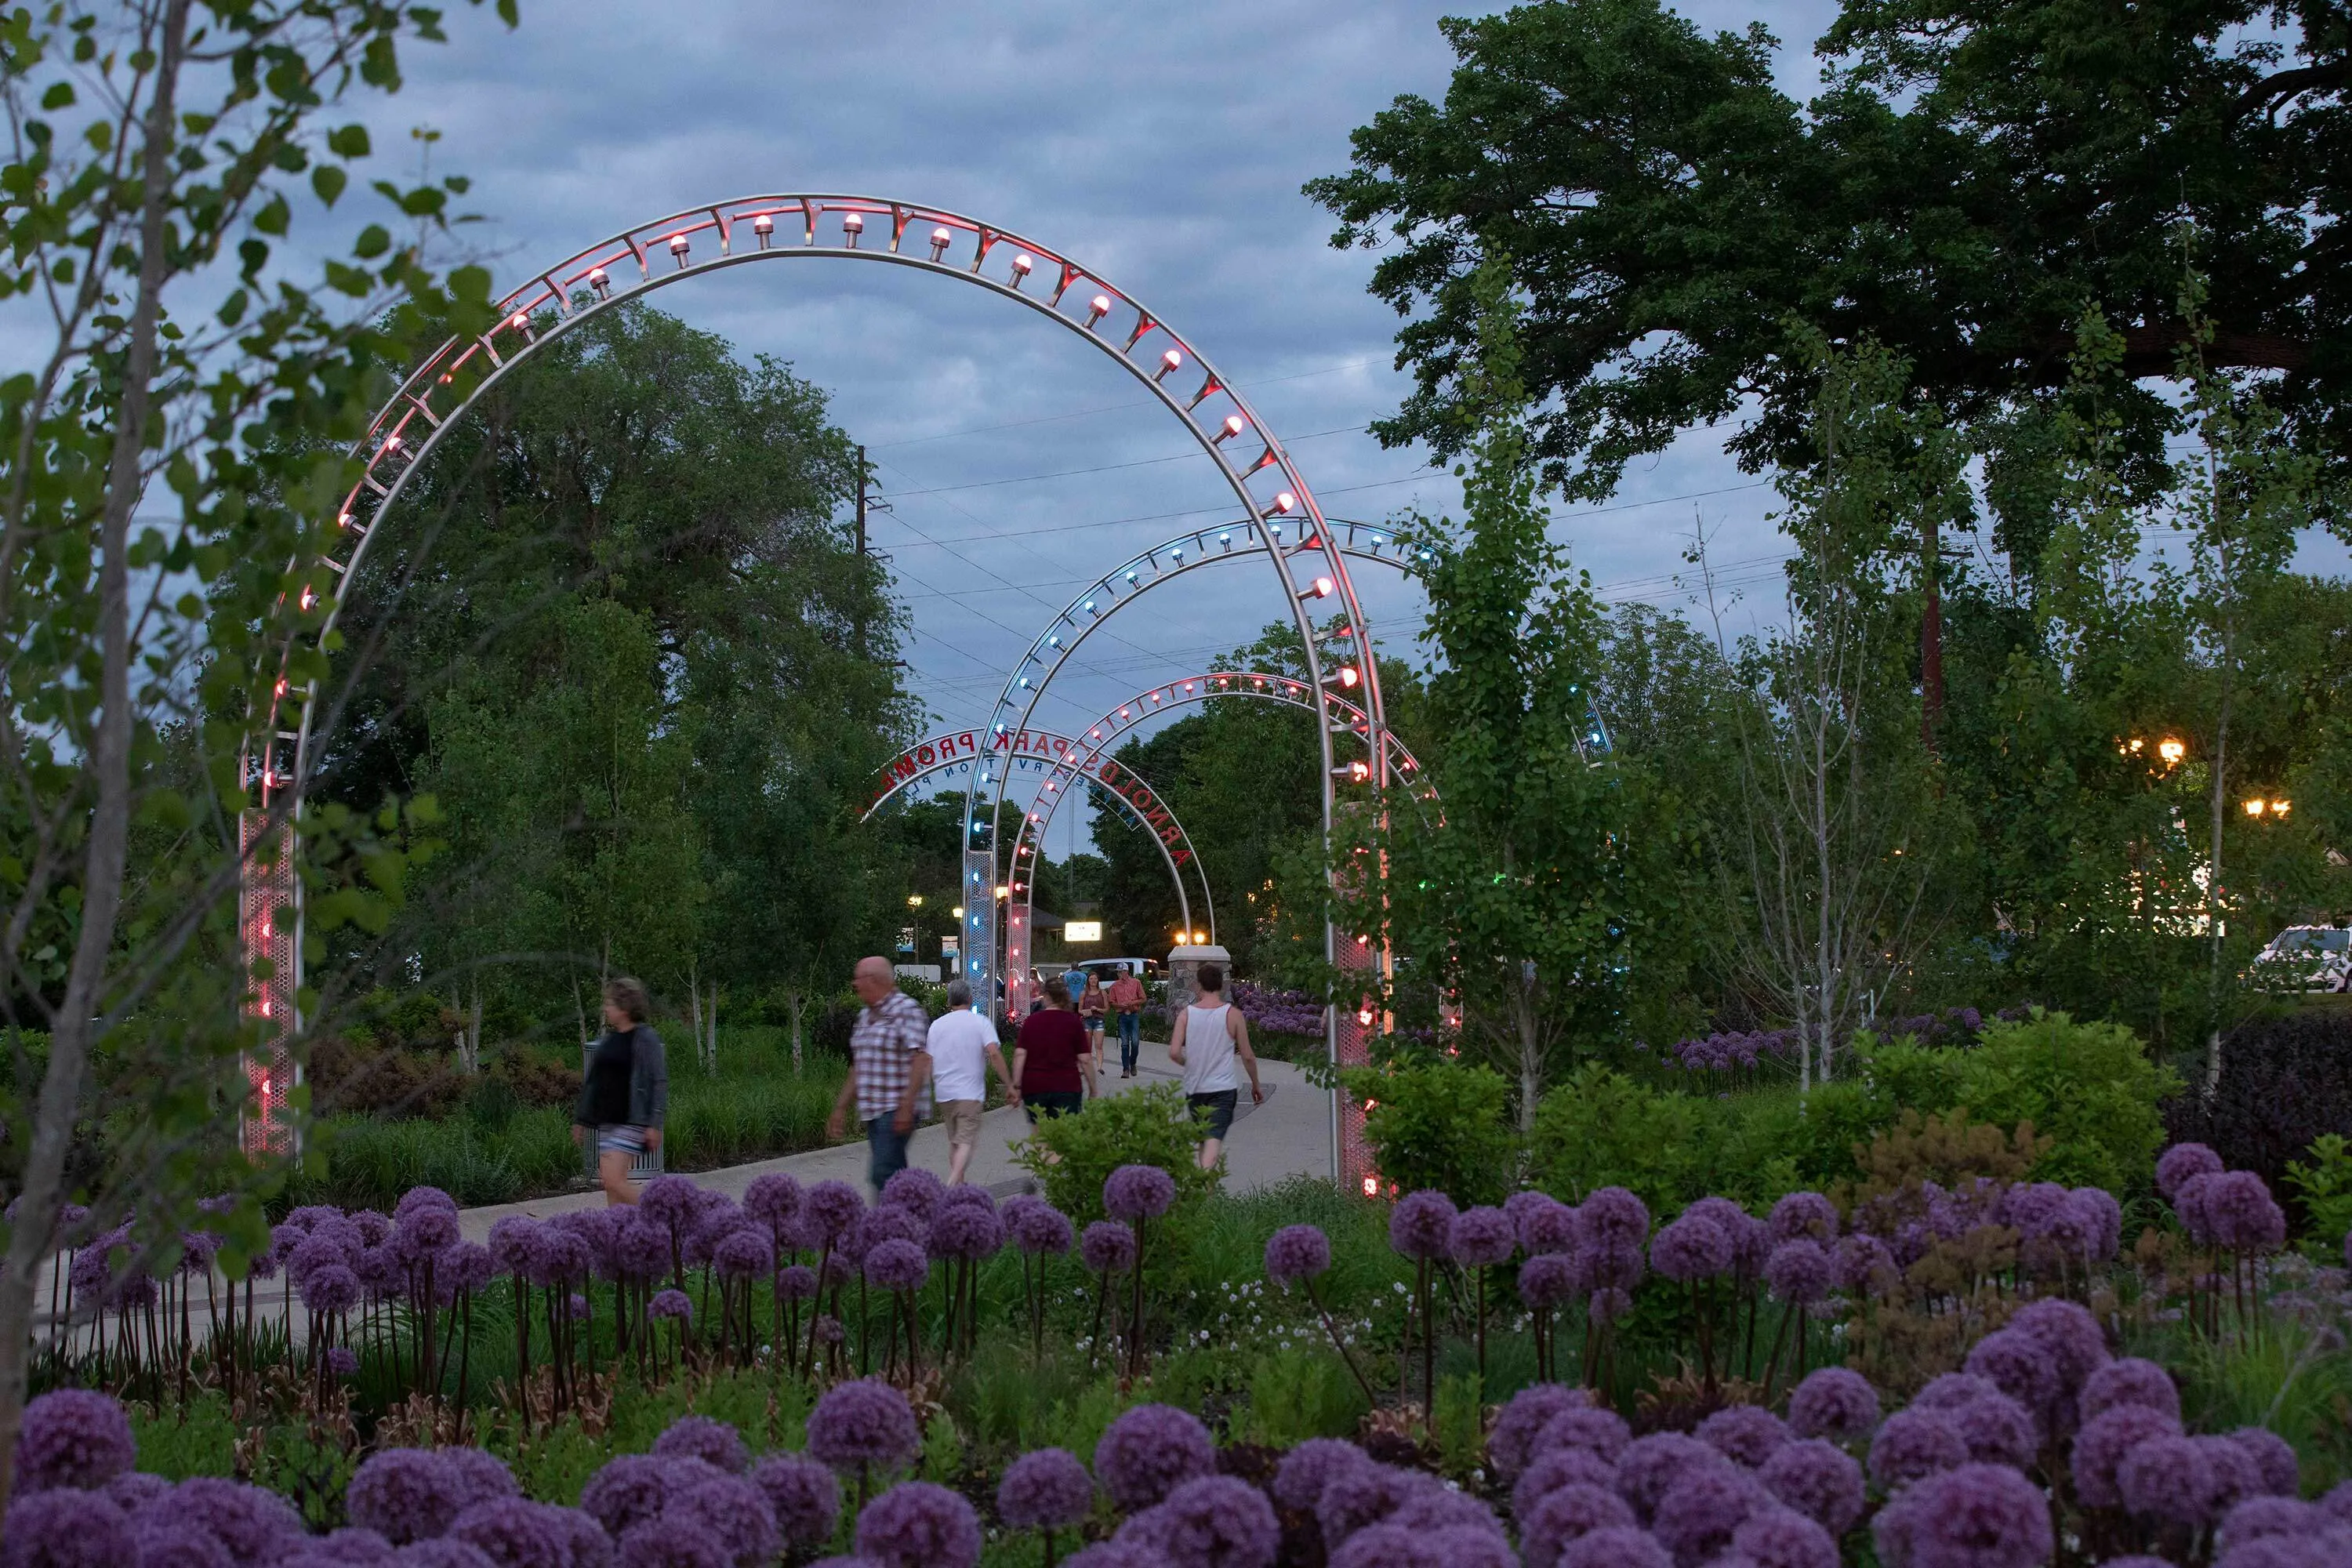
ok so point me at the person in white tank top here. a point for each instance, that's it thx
(1207, 1039)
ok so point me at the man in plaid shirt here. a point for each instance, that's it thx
(890, 1072)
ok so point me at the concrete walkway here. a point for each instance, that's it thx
(1288, 1136)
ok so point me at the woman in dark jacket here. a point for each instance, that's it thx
(624, 1092)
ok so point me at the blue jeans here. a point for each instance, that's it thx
(1130, 1035)
(887, 1150)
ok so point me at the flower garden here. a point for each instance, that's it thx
(1931, 1371)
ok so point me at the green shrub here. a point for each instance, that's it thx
(1601, 1129)
(1148, 1126)
(196, 1438)
(2324, 1188)
(1294, 1394)
(2092, 1087)
(1441, 1125)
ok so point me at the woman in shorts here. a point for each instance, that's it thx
(624, 1092)
(1094, 1005)
(1052, 1070)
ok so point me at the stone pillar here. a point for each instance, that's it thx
(1183, 969)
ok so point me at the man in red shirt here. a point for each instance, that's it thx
(1127, 1002)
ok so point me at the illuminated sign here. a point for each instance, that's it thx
(1082, 931)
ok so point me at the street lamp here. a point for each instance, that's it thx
(956, 913)
(2172, 751)
(914, 900)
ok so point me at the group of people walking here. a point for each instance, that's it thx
(904, 1063)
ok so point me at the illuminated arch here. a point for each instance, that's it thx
(559, 298)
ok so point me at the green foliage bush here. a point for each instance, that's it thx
(1071, 1157)
(1441, 1125)
(1294, 1394)
(2091, 1086)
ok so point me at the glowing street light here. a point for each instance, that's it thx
(2172, 751)
(914, 900)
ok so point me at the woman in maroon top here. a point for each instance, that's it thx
(1050, 1057)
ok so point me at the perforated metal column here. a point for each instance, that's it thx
(980, 927)
(269, 939)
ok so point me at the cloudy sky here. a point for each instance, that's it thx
(1164, 147)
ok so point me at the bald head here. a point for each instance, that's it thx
(873, 980)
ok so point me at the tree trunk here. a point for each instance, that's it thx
(796, 1000)
(1931, 638)
(694, 1006)
(109, 765)
(713, 1015)
(1524, 1020)
(2221, 803)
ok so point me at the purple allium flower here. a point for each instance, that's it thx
(1297, 1252)
(1597, 1430)
(699, 1437)
(1833, 1402)
(1542, 1222)
(968, 1231)
(330, 1288)
(427, 1233)
(2242, 1214)
(1107, 1247)
(255, 1524)
(2329, 1549)
(404, 1494)
(2237, 1473)
(670, 1200)
(829, 1331)
(1305, 1471)
(640, 1249)
(672, 1543)
(2189, 1207)
(915, 1190)
(1748, 1434)
(73, 1437)
(1818, 1479)
(1138, 1191)
(2130, 1381)
(513, 1240)
(1559, 1467)
(1512, 1443)
(1953, 1389)
(2260, 1516)
(1983, 1516)
(1567, 1513)
(1039, 1226)
(1356, 1498)
(134, 1489)
(1806, 1214)
(2015, 1362)
(1775, 1537)
(421, 1199)
(1430, 1508)
(1547, 1280)
(804, 1497)
(863, 1424)
(1046, 1489)
(671, 1304)
(1482, 1238)
(2274, 1458)
(829, 1209)
(1421, 1224)
(155, 1544)
(1651, 1465)
(440, 1552)
(977, 1197)
(628, 1490)
(1865, 1266)
(1696, 1515)
(797, 1283)
(896, 1266)
(2179, 1164)
(1394, 1545)
(2093, 1214)
(1915, 1443)
(516, 1532)
(1149, 1451)
(2070, 1335)
(342, 1360)
(744, 1255)
(1691, 1248)
(2103, 1443)
(2167, 1478)
(918, 1525)
(1614, 1547)
(773, 1199)
(1112, 1553)
(65, 1527)
(736, 1514)
(1212, 1521)
(1800, 1272)
(1608, 1305)
(1752, 1238)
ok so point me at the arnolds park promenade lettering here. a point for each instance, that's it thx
(1032, 751)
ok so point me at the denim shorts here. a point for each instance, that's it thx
(1219, 1108)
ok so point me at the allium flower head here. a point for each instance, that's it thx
(2168, 1479)
(1984, 1516)
(1566, 1514)
(1547, 1280)
(734, 1511)
(1746, 1433)
(670, 1543)
(1512, 1443)
(1807, 1215)
(773, 1199)
(1039, 1226)
(699, 1437)
(2260, 1516)
(2179, 1164)
(2130, 1381)
(155, 1544)
(1354, 1499)
(671, 1304)
(1107, 1247)
(73, 1437)
(1297, 1252)
(863, 1424)
(1651, 1465)
(629, 1490)
(2273, 1458)
(2104, 1441)
(1818, 1479)
(2076, 1344)
(1421, 1225)
(332, 1289)
(1046, 1489)
(916, 1524)
(744, 1255)
(2241, 1216)
(343, 1362)
(2237, 1474)
(2015, 1362)
(1149, 1451)
(255, 1524)
(805, 1499)
(1997, 1429)
(1214, 1521)
(1777, 1537)
(1544, 1224)
(915, 1190)
(1865, 1266)
(1138, 1191)
(670, 1200)
(968, 1231)
(1696, 1515)
(1752, 1238)
(516, 1532)
(1557, 1467)
(1112, 1553)
(1396, 1545)
(1915, 1443)
(2093, 1214)
(896, 1266)
(1800, 1272)
(1613, 1217)
(132, 1490)
(404, 1494)
(829, 1209)
(1482, 1238)
(1690, 1247)
(1608, 1304)
(1833, 1402)
(966, 1193)
(796, 1283)
(1614, 1547)
(65, 1527)
(1307, 1469)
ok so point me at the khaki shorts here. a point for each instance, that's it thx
(962, 1118)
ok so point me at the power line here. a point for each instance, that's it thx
(1110, 408)
(1109, 468)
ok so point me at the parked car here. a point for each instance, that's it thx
(1144, 969)
(2320, 957)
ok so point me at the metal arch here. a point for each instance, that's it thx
(1020, 910)
(1085, 761)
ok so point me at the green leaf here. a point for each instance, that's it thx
(373, 241)
(61, 95)
(347, 141)
(328, 182)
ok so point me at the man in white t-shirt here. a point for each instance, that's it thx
(963, 1049)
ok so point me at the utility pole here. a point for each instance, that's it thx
(863, 475)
